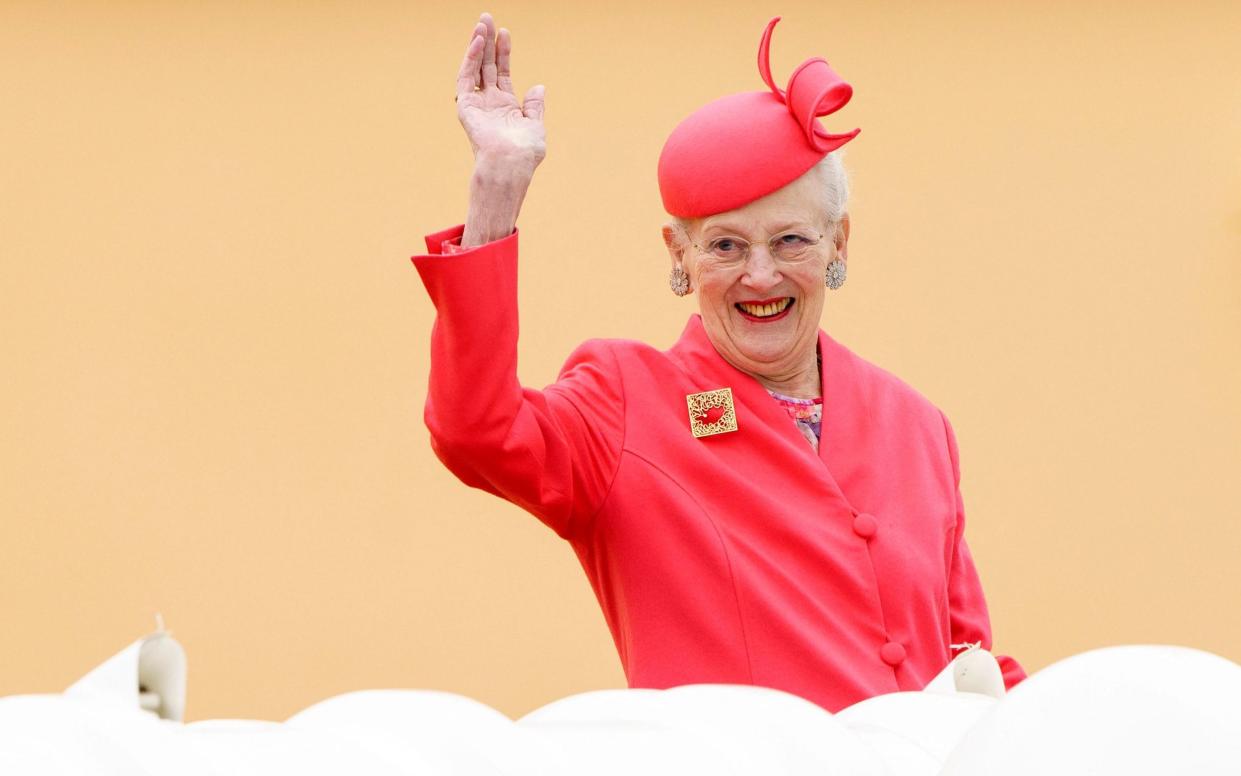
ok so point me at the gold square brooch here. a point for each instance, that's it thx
(711, 412)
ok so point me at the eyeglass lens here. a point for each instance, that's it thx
(785, 247)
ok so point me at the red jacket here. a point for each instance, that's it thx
(744, 557)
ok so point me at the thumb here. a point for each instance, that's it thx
(532, 105)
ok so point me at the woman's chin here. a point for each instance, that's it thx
(758, 350)
(760, 357)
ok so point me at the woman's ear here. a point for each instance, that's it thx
(675, 242)
(842, 238)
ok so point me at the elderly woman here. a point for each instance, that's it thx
(757, 504)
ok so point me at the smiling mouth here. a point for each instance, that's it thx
(765, 310)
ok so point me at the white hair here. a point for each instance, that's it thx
(835, 180)
(835, 187)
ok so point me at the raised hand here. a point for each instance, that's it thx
(501, 131)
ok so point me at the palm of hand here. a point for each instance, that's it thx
(493, 119)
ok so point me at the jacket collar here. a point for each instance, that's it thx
(839, 374)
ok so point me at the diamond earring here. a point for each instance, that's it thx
(835, 277)
(678, 281)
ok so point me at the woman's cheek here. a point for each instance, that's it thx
(711, 288)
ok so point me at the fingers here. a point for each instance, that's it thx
(504, 50)
(471, 64)
(489, 53)
(532, 106)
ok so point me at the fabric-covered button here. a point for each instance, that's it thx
(864, 525)
(892, 653)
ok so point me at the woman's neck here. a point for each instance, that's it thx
(802, 383)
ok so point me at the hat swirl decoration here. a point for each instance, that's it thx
(814, 90)
(738, 148)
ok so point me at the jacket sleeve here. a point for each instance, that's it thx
(552, 452)
(967, 607)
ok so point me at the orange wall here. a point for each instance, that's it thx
(216, 349)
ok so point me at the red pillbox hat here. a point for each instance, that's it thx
(744, 146)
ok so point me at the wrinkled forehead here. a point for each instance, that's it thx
(755, 228)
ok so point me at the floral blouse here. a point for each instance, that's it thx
(806, 413)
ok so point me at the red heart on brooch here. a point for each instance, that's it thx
(712, 415)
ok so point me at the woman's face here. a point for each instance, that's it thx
(762, 314)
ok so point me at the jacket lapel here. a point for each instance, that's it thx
(759, 417)
(845, 411)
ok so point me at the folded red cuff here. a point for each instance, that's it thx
(448, 241)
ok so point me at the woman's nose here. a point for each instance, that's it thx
(761, 271)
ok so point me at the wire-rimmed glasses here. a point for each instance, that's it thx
(789, 246)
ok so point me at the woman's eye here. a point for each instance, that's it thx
(793, 239)
(726, 247)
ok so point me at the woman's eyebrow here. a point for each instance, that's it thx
(707, 226)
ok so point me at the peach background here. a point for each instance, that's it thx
(215, 348)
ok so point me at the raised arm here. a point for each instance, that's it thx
(507, 138)
(967, 606)
(552, 452)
